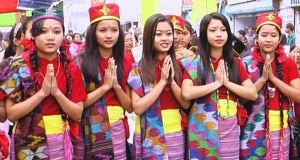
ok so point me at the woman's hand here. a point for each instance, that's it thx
(165, 70)
(266, 69)
(46, 86)
(55, 91)
(108, 76)
(219, 74)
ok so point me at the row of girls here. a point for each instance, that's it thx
(74, 109)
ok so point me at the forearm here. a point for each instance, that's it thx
(72, 109)
(142, 104)
(124, 99)
(189, 91)
(288, 90)
(246, 92)
(177, 93)
(94, 96)
(15, 111)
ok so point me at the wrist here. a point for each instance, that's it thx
(262, 80)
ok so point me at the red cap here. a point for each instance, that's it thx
(268, 18)
(104, 11)
(178, 22)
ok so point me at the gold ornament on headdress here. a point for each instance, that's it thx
(105, 10)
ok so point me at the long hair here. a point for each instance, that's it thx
(37, 29)
(205, 48)
(15, 32)
(90, 58)
(149, 57)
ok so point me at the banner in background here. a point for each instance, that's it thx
(7, 6)
(201, 8)
(148, 8)
(32, 4)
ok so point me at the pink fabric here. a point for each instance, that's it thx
(229, 138)
(118, 140)
(175, 144)
(55, 144)
(275, 143)
(79, 146)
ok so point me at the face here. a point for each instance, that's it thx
(216, 34)
(27, 32)
(128, 40)
(107, 33)
(140, 39)
(295, 54)
(250, 30)
(186, 38)
(69, 38)
(268, 39)
(163, 38)
(177, 37)
(51, 37)
(77, 38)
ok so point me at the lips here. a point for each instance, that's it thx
(164, 45)
(50, 45)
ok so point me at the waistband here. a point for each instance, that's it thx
(226, 108)
(171, 119)
(274, 120)
(115, 113)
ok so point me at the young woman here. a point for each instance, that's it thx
(156, 94)
(187, 38)
(277, 82)
(43, 108)
(215, 79)
(105, 71)
(178, 25)
(76, 45)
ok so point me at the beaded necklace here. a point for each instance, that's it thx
(217, 93)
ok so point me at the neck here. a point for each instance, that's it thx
(47, 56)
(19, 51)
(272, 55)
(106, 52)
(216, 52)
(161, 56)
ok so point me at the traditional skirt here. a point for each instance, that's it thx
(55, 140)
(229, 138)
(173, 133)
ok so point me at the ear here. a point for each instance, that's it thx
(16, 42)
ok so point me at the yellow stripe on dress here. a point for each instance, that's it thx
(274, 119)
(226, 108)
(171, 121)
(53, 124)
(115, 113)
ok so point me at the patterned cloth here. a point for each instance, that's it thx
(153, 138)
(203, 131)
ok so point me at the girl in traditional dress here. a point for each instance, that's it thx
(42, 99)
(105, 69)
(215, 79)
(267, 133)
(156, 94)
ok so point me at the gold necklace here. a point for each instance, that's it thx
(53, 69)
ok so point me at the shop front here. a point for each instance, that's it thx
(244, 12)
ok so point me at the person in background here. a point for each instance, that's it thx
(44, 92)
(105, 69)
(238, 46)
(291, 36)
(128, 45)
(156, 95)
(277, 83)
(139, 38)
(68, 38)
(241, 35)
(215, 80)
(251, 36)
(76, 45)
(178, 25)
(186, 41)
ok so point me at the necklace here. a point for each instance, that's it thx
(53, 69)
(220, 114)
